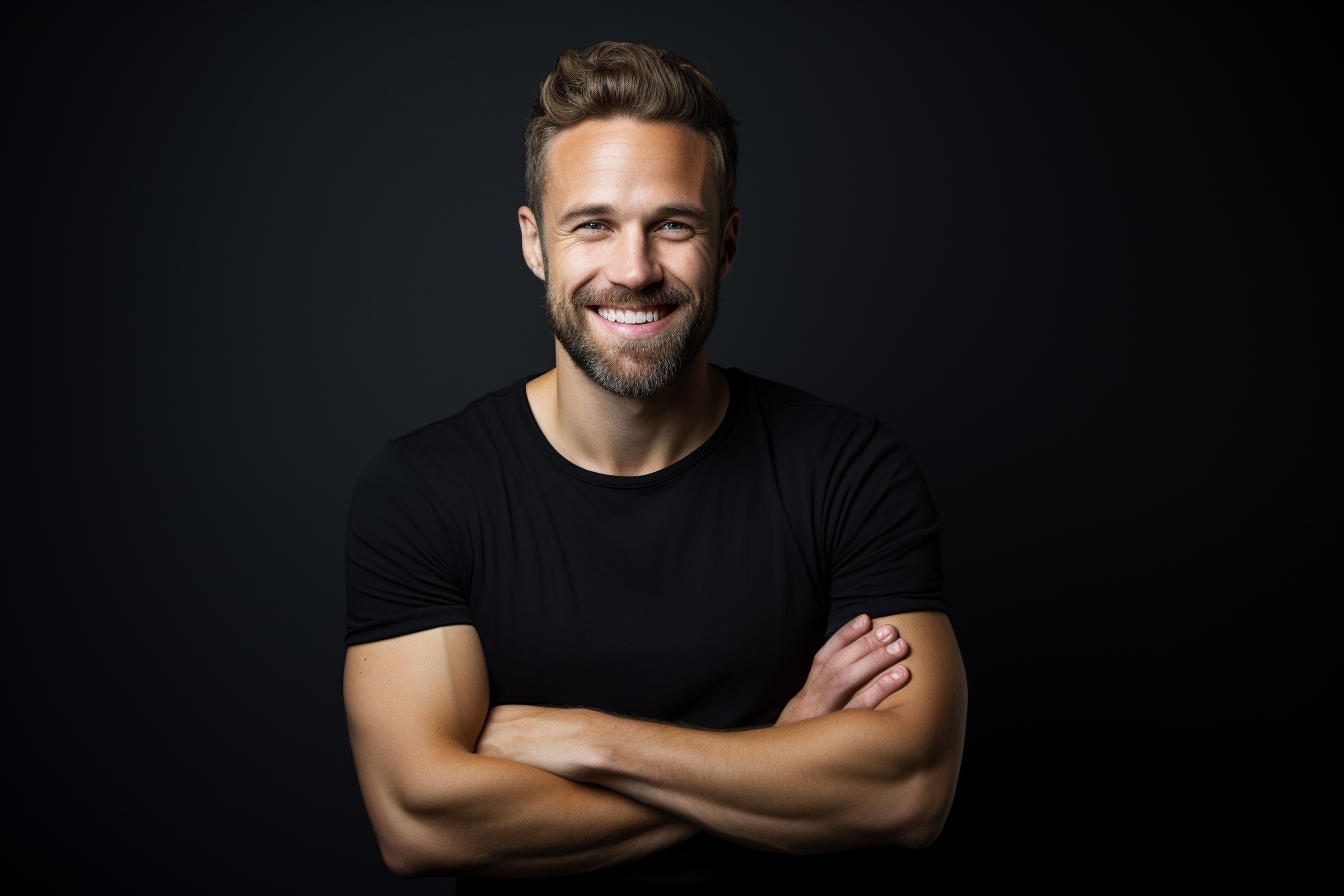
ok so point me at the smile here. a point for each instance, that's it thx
(645, 315)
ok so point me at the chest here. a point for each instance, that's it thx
(689, 601)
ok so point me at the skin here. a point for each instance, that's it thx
(828, 782)
(416, 707)
(866, 753)
(640, 172)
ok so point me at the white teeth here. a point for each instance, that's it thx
(622, 316)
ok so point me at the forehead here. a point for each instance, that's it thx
(627, 164)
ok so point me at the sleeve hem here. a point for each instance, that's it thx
(845, 609)
(407, 624)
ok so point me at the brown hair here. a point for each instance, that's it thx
(613, 79)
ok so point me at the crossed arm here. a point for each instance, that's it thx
(452, 789)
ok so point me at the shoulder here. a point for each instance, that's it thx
(797, 418)
(825, 443)
(483, 421)
(451, 454)
(785, 399)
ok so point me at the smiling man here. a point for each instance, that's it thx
(640, 623)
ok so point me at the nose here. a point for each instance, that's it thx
(633, 264)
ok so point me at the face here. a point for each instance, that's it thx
(632, 247)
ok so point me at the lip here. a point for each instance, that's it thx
(635, 331)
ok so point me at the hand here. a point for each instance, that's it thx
(851, 671)
(552, 740)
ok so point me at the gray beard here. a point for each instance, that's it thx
(634, 368)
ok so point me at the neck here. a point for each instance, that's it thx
(607, 433)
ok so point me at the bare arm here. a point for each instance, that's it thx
(853, 778)
(415, 706)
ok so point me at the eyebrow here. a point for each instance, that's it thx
(607, 211)
(683, 211)
(585, 211)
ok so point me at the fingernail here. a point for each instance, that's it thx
(885, 633)
(894, 649)
(858, 623)
(897, 673)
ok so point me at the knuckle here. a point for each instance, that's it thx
(845, 679)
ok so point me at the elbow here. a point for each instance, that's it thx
(402, 859)
(909, 813)
(414, 846)
(409, 854)
(919, 835)
(404, 849)
(921, 812)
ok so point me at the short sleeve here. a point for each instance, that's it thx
(402, 567)
(882, 531)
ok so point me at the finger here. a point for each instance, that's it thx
(888, 683)
(874, 640)
(848, 680)
(847, 634)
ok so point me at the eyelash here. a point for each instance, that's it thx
(593, 225)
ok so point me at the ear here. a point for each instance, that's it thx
(527, 223)
(729, 244)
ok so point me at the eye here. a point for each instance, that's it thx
(590, 227)
(675, 227)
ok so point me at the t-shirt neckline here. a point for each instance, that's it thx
(604, 479)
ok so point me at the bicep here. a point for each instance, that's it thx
(933, 704)
(416, 705)
(409, 700)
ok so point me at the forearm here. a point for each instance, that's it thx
(480, 816)
(846, 779)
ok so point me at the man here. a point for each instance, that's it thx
(589, 614)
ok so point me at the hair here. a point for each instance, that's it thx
(612, 80)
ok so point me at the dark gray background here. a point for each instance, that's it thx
(1084, 261)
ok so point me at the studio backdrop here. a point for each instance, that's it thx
(1077, 258)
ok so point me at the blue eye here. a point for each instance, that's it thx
(676, 225)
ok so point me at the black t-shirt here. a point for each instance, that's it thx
(696, 594)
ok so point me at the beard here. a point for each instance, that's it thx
(633, 368)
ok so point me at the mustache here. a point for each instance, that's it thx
(620, 297)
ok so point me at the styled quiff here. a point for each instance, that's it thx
(612, 80)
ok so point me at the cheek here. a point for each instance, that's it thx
(691, 262)
(576, 263)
